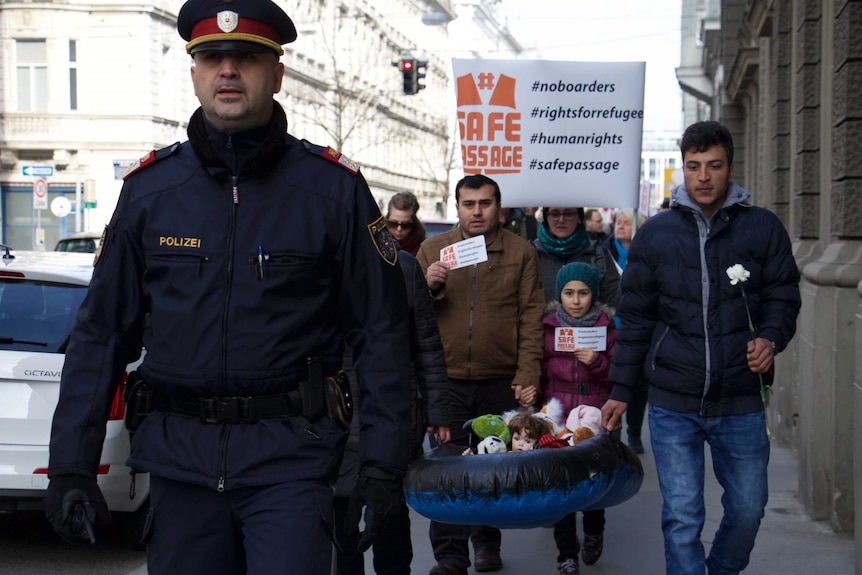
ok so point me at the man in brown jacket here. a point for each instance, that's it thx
(490, 318)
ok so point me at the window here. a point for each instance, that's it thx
(36, 316)
(73, 74)
(32, 75)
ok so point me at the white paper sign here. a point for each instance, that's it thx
(553, 133)
(572, 338)
(465, 253)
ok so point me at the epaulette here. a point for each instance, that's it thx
(333, 156)
(151, 158)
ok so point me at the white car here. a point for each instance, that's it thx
(83, 242)
(40, 293)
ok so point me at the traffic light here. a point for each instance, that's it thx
(412, 70)
(421, 65)
(407, 65)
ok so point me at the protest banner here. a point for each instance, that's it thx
(553, 133)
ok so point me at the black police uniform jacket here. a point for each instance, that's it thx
(179, 274)
(684, 327)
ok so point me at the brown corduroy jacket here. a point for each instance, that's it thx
(490, 314)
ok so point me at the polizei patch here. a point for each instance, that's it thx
(383, 241)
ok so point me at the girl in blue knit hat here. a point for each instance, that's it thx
(577, 374)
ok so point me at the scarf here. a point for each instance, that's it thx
(622, 254)
(566, 247)
(589, 319)
(412, 242)
(256, 149)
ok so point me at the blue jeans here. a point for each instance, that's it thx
(740, 454)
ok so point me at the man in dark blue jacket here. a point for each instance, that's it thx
(241, 260)
(709, 296)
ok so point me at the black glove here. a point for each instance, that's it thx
(73, 504)
(382, 495)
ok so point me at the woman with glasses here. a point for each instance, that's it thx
(563, 239)
(403, 222)
(618, 246)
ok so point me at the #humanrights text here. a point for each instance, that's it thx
(597, 140)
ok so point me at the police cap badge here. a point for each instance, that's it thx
(242, 25)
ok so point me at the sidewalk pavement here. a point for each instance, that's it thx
(789, 542)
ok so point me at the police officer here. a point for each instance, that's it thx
(241, 260)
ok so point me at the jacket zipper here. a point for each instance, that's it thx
(470, 323)
(229, 284)
(234, 180)
(705, 314)
(658, 345)
(222, 458)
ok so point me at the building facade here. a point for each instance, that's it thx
(661, 166)
(87, 88)
(787, 78)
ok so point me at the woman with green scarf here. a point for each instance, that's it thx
(563, 239)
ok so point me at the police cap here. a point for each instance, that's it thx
(243, 25)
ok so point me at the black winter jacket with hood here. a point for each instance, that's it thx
(684, 326)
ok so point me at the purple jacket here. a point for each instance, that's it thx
(571, 381)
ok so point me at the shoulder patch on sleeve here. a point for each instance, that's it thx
(383, 241)
(151, 158)
(333, 155)
(101, 245)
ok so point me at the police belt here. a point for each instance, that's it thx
(231, 409)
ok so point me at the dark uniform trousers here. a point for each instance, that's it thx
(280, 529)
(469, 399)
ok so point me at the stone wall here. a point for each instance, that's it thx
(792, 96)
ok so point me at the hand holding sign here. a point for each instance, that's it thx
(574, 338)
(465, 253)
(586, 355)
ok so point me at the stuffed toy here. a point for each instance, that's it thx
(583, 422)
(491, 444)
(548, 441)
(487, 425)
(580, 434)
(551, 413)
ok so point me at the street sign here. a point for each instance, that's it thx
(42, 171)
(61, 206)
(40, 194)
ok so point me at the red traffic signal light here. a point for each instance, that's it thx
(412, 69)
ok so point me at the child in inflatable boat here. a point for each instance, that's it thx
(577, 375)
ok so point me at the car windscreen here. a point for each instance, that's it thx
(79, 245)
(38, 316)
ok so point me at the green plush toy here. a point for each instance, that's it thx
(489, 424)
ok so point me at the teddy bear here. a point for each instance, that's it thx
(583, 422)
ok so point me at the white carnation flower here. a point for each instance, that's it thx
(737, 273)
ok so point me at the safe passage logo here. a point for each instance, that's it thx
(490, 137)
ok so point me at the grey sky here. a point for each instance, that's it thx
(609, 30)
